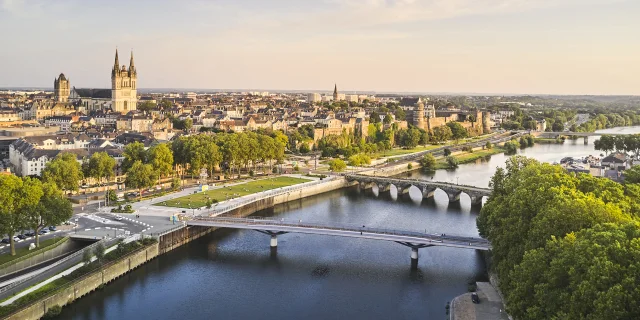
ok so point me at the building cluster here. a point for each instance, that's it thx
(37, 125)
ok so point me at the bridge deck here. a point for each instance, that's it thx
(418, 182)
(406, 236)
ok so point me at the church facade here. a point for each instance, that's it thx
(124, 87)
(122, 97)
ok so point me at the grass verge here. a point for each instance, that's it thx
(200, 199)
(24, 253)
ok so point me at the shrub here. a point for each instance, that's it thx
(428, 162)
(488, 145)
(99, 251)
(409, 166)
(337, 165)
(447, 152)
(251, 173)
(452, 162)
(53, 312)
(296, 168)
(86, 256)
(467, 149)
(511, 147)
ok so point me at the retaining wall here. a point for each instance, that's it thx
(63, 248)
(86, 284)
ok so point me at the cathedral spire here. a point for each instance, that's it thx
(335, 89)
(116, 64)
(132, 67)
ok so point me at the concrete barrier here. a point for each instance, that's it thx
(47, 254)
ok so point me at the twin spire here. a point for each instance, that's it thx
(116, 65)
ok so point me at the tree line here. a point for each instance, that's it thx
(565, 245)
(622, 143)
(30, 204)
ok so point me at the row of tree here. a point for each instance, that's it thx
(622, 143)
(565, 245)
(30, 204)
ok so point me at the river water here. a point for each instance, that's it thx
(231, 274)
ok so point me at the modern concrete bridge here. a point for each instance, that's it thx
(412, 239)
(584, 135)
(428, 188)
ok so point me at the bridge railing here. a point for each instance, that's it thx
(262, 221)
(403, 180)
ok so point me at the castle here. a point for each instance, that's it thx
(122, 98)
(475, 122)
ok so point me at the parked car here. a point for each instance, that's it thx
(475, 298)
(43, 231)
(30, 234)
(22, 236)
(15, 238)
(117, 218)
(52, 228)
(5, 240)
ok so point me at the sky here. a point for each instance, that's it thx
(431, 46)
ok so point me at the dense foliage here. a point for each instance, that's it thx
(565, 246)
(623, 143)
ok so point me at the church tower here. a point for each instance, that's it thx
(335, 92)
(61, 88)
(124, 87)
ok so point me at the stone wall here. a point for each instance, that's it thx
(53, 253)
(86, 284)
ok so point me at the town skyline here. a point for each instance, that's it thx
(493, 48)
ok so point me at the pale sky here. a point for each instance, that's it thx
(472, 46)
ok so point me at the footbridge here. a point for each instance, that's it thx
(584, 135)
(412, 239)
(427, 188)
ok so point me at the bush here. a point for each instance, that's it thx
(296, 168)
(53, 312)
(447, 152)
(467, 149)
(175, 183)
(452, 162)
(409, 166)
(337, 165)
(428, 162)
(251, 173)
(511, 147)
(488, 145)
(86, 256)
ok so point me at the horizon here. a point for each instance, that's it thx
(491, 47)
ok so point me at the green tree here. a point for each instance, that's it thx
(140, 176)
(99, 251)
(441, 134)
(388, 119)
(166, 105)
(17, 197)
(64, 170)
(133, 152)
(452, 162)
(86, 256)
(51, 209)
(100, 166)
(146, 106)
(359, 160)
(428, 162)
(446, 152)
(511, 147)
(488, 145)
(337, 165)
(632, 175)
(457, 130)
(558, 126)
(161, 159)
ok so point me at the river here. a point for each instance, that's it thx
(230, 274)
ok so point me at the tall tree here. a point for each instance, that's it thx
(161, 159)
(457, 130)
(17, 196)
(100, 166)
(442, 133)
(52, 209)
(133, 152)
(140, 176)
(65, 171)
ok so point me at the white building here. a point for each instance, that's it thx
(314, 97)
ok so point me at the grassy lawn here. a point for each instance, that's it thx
(200, 199)
(398, 152)
(20, 252)
(469, 157)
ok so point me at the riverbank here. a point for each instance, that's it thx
(489, 308)
(549, 140)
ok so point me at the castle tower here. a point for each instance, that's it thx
(335, 92)
(418, 114)
(124, 87)
(61, 89)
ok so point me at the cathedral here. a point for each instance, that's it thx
(124, 92)
(122, 98)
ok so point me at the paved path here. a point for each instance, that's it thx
(489, 308)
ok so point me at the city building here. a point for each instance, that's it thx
(314, 97)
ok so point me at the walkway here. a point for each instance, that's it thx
(404, 237)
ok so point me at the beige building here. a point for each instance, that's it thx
(61, 88)
(124, 88)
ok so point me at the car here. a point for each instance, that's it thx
(22, 236)
(43, 231)
(5, 240)
(475, 298)
(30, 234)
(117, 218)
(52, 228)
(15, 238)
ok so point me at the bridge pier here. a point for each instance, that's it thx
(403, 190)
(428, 192)
(476, 200)
(586, 140)
(383, 187)
(273, 244)
(414, 252)
(454, 196)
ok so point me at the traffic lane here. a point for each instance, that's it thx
(97, 221)
(5, 248)
(132, 226)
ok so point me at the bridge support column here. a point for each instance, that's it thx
(274, 241)
(476, 201)
(586, 140)
(383, 187)
(273, 244)
(428, 192)
(403, 190)
(454, 196)
(414, 258)
(414, 252)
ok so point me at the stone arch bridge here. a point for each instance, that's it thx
(427, 188)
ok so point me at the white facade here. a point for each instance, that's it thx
(314, 97)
